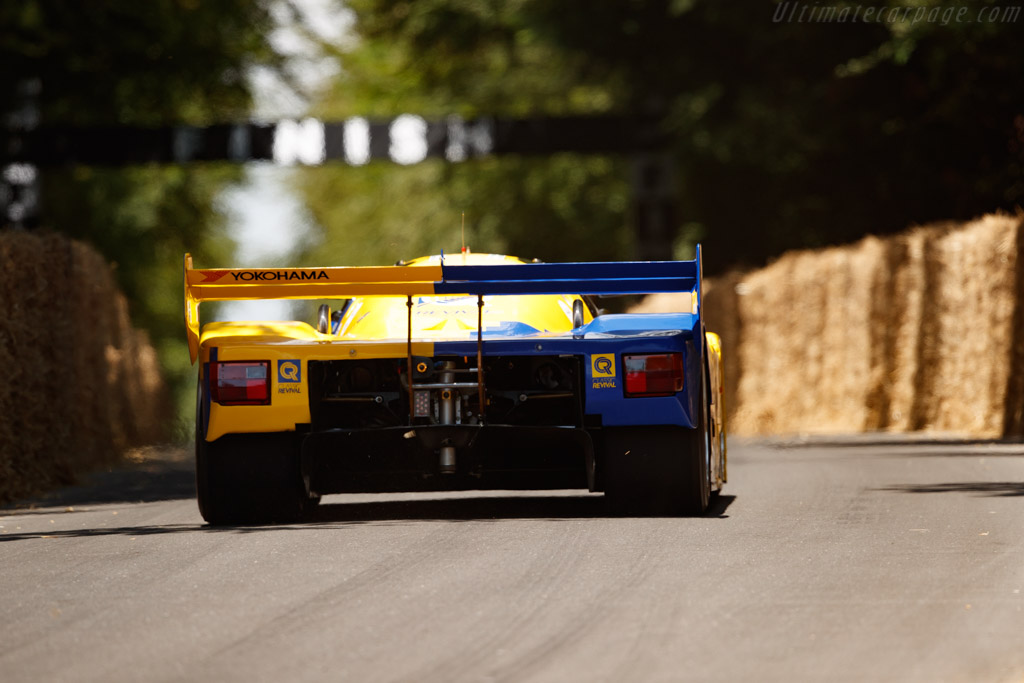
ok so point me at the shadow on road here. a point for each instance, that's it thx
(966, 453)
(719, 505)
(340, 515)
(464, 509)
(148, 482)
(132, 531)
(1001, 489)
(584, 506)
(886, 440)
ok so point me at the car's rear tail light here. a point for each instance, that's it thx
(240, 383)
(659, 374)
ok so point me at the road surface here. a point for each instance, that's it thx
(860, 559)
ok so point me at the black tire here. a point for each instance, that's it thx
(710, 437)
(250, 478)
(658, 471)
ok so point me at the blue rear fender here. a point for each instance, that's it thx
(610, 337)
(600, 345)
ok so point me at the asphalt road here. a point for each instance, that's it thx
(859, 560)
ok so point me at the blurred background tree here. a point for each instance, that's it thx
(784, 134)
(160, 62)
(468, 59)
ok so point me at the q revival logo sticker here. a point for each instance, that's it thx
(289, 377)
(602, 369)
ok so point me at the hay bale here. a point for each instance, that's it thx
(923, 330)
(902, 293)
(971, 284)
(37, 337)
(805, 354)
(81, 385)
(1013, 403)
(721, 315)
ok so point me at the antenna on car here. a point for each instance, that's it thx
(465, 249)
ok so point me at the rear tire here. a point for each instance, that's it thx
(250, 478)
(658, 471)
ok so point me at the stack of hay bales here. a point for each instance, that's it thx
(919, 331)
(80, 384)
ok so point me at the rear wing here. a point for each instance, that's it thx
(241, 284)
(600, 278)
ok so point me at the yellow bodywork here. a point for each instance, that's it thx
(453, 316)
(275, 342)
(375, 325)
(236, 284)
(716, 369)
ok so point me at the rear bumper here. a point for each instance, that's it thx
(488, 457)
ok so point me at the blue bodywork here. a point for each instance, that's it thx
(607, 335)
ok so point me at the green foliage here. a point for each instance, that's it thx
(442, 57)
(159, 62)
(784, 134)
(143, 220)
(106, 62)
(471, 59)
(532, 208)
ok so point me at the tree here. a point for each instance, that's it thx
(161, 62)
(785, 133)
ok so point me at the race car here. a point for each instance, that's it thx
(459, 372)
